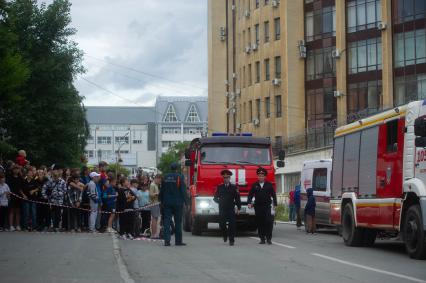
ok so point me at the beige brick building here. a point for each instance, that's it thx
(293, 70)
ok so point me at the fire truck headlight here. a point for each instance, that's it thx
(204, 204)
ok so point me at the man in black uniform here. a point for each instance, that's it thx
(227, 196)
(264, 194)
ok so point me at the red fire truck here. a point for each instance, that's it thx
(379, 177)
(206, 158)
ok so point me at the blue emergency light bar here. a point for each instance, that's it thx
(226, 134)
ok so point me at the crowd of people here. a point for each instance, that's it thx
(56, 199)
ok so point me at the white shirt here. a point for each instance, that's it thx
(261, 184)
(3, 196)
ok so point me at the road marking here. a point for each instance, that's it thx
(124, 273)
(370, 268)
(277, 244)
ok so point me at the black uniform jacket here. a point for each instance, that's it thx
(227, 197)
(263, 196)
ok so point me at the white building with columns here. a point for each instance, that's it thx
(179, 119)
(126, 133)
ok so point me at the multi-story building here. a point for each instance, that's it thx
(122, 133)
(293, 70)
(179, 119)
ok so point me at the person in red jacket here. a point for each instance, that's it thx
(21, 158)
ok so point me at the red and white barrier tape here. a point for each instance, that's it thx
(85, 209)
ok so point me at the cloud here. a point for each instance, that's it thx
(167, 38)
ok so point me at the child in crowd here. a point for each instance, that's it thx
(125, 204)
(4, 201)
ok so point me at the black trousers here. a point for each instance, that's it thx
(146, 220)
(264, 221)
(4, 213)
(56, 215)
(44, 214)
(75, 218)
(227, 217)
(126, 222)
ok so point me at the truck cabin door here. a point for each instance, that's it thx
(389, 161)
(320, 181)
(420, 142)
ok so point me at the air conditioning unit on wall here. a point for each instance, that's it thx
(256, 122)
(276, 82)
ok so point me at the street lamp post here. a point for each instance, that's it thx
(118, 156)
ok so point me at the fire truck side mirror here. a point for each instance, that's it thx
(281, 155)
(280, 164)
(420, 142)
(420, 127)
(187, 153)
(188, 162)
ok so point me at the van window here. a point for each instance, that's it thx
(392, 136)
(319, 182)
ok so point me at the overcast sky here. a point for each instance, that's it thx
(126, 41)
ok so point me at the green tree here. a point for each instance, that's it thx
(117, 167)
(47, 119)
(174, 154)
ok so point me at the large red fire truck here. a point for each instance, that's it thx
(379, 177)
(206, 158)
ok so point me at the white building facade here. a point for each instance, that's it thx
(126, 134)
(179, 119)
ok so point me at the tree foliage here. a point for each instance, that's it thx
(173, 155)
(120, 169)
(40, 108)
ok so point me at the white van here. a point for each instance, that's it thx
(316, 174)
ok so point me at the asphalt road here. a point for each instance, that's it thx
(294, 257)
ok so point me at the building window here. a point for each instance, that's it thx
(278, 107)
(258, 108)
(291, 181)
(122, 139)
(320, 23)
(244, 77)
(250, 80)
(410, 88)
(137, 141)
(90, 154)
(250, 111)
(90, 139)
(170, 114)
(277, 60)
(104, 140)
(362, 14)
(256, 34)
(320, 64)
(167, 130)
(268, 107)
(192, 115)
(279, 142)
(266, 30)
(277, 28)
(321, 106)
(257, 72)
(267, 73)
(363, 99)
(365, 55)
(409, 10)
(410, 48)
(257, 3)
(122, 152)
(266, 2)
(248, 36)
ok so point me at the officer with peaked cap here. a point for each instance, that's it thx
(264, 195)
(173, 196)
(227, 196)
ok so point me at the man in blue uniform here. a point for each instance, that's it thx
(227, 196)
(264, 195)
(172, 197)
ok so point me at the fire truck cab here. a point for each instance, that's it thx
(206, 158)
(316, 174)
(379, 177)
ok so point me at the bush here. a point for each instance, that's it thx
(281, 214)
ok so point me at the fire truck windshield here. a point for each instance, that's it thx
(247, 155)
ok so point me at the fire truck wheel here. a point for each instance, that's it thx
(369, 237)
(197, 227)
(352, 236)
(413, 233)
